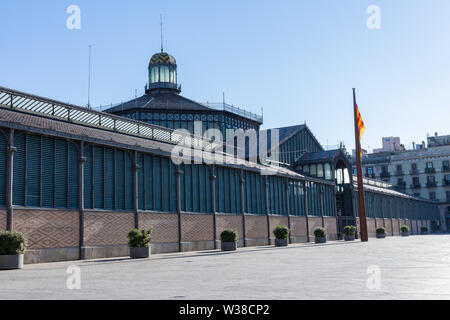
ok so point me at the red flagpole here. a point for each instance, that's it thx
(362, 205)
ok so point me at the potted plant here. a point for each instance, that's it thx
(281, 236)
(424, 230)
(229, 238)
(320, 235)
(349, 233)
(139, 243)
(12, 247)
(381, 232)
(405, 230)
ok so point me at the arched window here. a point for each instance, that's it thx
(313, 170)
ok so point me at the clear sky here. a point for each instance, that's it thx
(299, 60)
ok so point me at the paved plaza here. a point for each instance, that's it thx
(417, 267)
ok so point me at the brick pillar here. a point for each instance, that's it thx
(213, 203)
(136, 168)
(288, 209)
(267, 208)
(305, 200)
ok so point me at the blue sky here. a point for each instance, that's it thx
(296, 59)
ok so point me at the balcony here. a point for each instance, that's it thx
(370, 176)
(415, 186)
(446, 182)
(399, 173)
(430, 170)
(400, 185)
(385, 175)
(414, 172)
(445, 169)
(431, 184)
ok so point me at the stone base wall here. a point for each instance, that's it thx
(331, 227)
(299, 231)
(2, 220)
(371, 228)
(53, 235)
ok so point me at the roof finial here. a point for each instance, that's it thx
(162, 44)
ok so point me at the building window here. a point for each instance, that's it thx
(446, 165)
(432, 195)
(313, 170)
(416, 181)
(327, 171)
(414, 168)
(429, 165)
(370, 171)
(399, 168)
(448, 196)
(431, 179)
(306, 169)
(320, 170)
(400, 181)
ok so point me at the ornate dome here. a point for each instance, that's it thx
(162, 58)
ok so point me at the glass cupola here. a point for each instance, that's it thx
(162, 72)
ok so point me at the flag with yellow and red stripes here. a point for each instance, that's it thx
(361, 126)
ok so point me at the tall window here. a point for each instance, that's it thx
(432, 195)
(327, 171)
(320, 170)
(429, 165)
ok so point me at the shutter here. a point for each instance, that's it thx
(98, 178)
(195, 186)
(48, 172)
(19, 170)
(2, 169)
(141, 182)
(61, 174)
(148, 160)
(88, 168)
(165, 184)
(73, 177)
(120, 180)
(109, 179)
(129, 181)
(188, 187)
(173, 187)
(33, 170)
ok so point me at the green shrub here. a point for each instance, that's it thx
(381, 230)
(424, 229)
(139, 239)
(281, 232)
(320, 232)
(229, 235)
(12, 243)
(350, 230)
(404, 228)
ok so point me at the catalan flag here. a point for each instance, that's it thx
(361, 126)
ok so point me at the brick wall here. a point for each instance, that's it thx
(388, 224)
(371, 229)
(224, 221)
(197, 227)
(107, 228)
(48, 228)
(165, 226)
(396, 227)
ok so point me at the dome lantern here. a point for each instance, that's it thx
(162, 71)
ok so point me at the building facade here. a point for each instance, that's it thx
(423, 173)
(75, 181)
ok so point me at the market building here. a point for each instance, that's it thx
(75, 181)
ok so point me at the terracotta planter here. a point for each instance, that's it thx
(10, 262)
(140, 253)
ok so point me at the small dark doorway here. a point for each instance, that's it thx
(344, 197)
